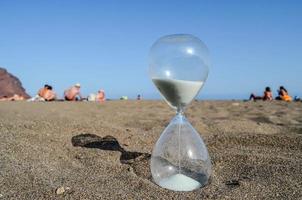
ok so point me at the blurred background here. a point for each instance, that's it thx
(105, 44)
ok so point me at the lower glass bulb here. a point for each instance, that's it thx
(180, 160)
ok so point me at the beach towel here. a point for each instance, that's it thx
(92, 97)
(36, 98)
(286, 98)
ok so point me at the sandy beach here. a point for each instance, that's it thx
(84, 150)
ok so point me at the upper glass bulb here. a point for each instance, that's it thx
(179, 66)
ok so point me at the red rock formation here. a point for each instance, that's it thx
(10, 85)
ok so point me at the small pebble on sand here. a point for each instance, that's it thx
(60, 190)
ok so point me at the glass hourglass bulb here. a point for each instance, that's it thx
(178, 66)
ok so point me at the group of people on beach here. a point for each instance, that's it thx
(268, 95)
(71, 94)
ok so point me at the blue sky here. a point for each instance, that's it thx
(105, 44)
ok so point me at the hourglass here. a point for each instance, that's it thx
(178, 66)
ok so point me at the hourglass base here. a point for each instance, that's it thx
(180, 159)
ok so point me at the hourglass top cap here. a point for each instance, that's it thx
(179, 54)
(186, 43)
(181, 37)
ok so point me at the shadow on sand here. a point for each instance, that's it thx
(108, 143)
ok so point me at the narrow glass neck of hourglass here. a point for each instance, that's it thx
(180, 110)
(180, 118)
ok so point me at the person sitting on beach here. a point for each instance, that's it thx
(73, 93)
(42, 91)
(15, 97)
(297, 98)
(47, 93)
(283, 95)
(100, 97)
(268, 96)
(50, 95)
(139, 97)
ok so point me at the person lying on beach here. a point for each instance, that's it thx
(283, 95)
(15, 97)
(100, 97)
(47, 93)
(124, 98)
(73, 93)
(267, 96)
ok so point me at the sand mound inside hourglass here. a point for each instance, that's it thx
(178, 93)
(179, 182)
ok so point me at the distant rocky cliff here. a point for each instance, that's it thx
(10, 85)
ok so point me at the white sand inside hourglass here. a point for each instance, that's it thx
(178, 92)
(179, 182)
